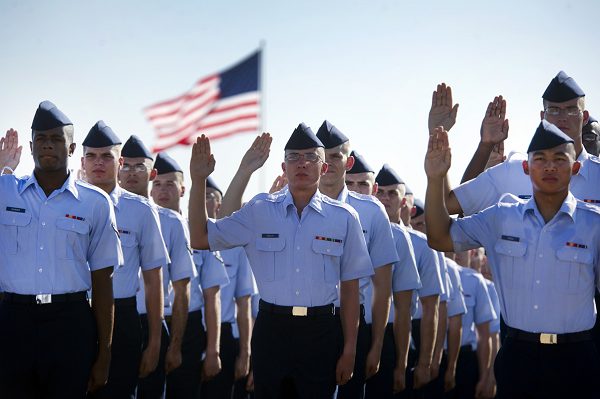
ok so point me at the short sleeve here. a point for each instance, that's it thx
(105, 248)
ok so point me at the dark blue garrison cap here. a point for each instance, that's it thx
(562, 88)
(547, 136)
(211, 183)
(360, 164)
(47, 117)
(135, 148)
(303, 138)
(165, 164)
(419, 207)
(101, 135)
(388, 176)
(591, 120)
(330, 135)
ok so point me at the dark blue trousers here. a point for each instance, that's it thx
(46, 351)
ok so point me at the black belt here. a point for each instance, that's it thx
(545, 338)
(296, 310)
(362, 310)
(43, 299)
(131, 301)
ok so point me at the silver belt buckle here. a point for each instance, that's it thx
(43, 299)
(548, 339)
(299, 311)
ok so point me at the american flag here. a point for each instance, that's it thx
(218, 105)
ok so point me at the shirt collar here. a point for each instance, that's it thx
(568, 207)
(316, 202)
(583, 160)
(68, 185)
(115, 194)
(343, 197)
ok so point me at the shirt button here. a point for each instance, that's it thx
(298, 248)
(297, 270)
(42, 248)
(535, 307)
(40, 270)
(297, 292)
(328, 250)
(537, 281)
(43, 223)
(541, 256)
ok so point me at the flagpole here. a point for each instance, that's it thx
(261, 83)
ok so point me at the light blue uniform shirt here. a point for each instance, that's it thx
(50, 244)
(479, 305)
(404, 272)
(544, 273)
(173, 229)
(508, 177)
(456, 303)
(141, 240)
(241, 282)
(494, 324)
(211, 273)
(378, 236)
(296, 261)
(429, 270)
(445, 296)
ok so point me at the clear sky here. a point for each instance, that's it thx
(369, 67)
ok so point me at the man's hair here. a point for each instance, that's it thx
(580, 103)
(68, 130)
(115, 148)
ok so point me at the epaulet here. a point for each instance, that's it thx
(595, 208)
(508, 199)
(168, 212)
(594, 159)
(337, 203)
(398, 226)
(91, 187)
(366, 198)
(516, 156)
(418, 234)
(275, 197)
(134, 197)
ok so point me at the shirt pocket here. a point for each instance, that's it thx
(330, 253)
(129, 245)
(13, 229)
(575, 270)
(510, 262)
(72, 238)
(271, 263)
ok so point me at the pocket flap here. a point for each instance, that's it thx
(198, 258)
(327, 247)
(15, 218)
(579, 255)
(78, 226)
(128, 240)
(270, 244)
(510, 248)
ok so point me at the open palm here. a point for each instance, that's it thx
(438, 157)
(442, 112)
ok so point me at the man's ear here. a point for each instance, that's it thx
(375, 188)
(121, 161)
(153, 174)
(182, 192)
(526, 168)
(324, 168)
(283, 166)
(72, 147)
(349, 162)
(576, 167)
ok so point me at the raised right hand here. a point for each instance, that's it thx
(257, 154)
(10, 151)
(438, 157)
(202, 163)
(494, 127)
(442, 112)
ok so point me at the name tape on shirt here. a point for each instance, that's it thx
(121, 231)
(13, 209)
(575, 245)
(321, 238)
(270, 235)
(511, 238)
